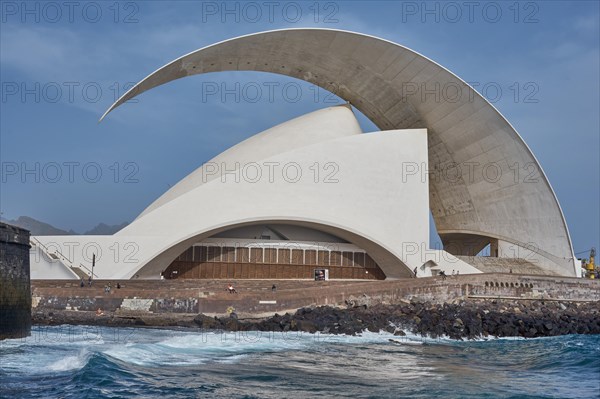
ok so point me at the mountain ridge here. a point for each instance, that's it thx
(39, 228)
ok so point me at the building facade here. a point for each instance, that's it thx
(326, 183)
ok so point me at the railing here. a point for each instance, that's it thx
(82, 266)
(56, 254)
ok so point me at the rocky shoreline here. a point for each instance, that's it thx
(460, 320)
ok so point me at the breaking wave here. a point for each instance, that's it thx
(81, 361)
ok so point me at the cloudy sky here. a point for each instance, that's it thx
(63, 64)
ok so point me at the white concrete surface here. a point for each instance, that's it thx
(487, 182)
(308, 129)
(43, 266)
(340, 184)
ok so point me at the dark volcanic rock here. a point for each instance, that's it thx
(209, 323)
(458, 321)
(463, 320)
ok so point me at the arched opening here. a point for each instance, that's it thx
(461, 244)
(268, 251)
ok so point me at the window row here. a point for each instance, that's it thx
(284, 256)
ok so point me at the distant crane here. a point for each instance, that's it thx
(590, 267)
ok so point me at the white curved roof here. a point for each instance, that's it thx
(333, 185)
(393, 85)
(318, 126)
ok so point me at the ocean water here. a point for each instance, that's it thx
(96, 362)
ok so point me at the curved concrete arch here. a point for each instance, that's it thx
(392, 85)
(387, 261)
(360, 203)
(369, 218)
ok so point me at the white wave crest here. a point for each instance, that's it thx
(70, 362)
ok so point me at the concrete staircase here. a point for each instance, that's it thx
(54, 255)
(489, 264)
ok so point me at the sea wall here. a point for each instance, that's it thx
(15, 290)
(256, 297)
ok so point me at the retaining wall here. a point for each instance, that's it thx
(256, 297)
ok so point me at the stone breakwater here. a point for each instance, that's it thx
(461, 320)
(15, 289)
